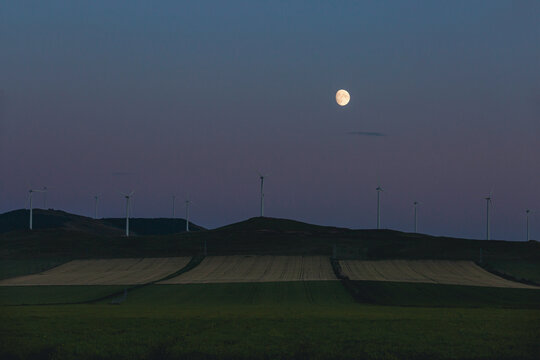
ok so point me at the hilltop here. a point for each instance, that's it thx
(17, 220)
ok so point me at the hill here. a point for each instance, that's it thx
(155, 226)
(76, 236)
(59, 236)
(17, 220)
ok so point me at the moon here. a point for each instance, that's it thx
(343, 97)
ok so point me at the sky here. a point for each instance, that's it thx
(196, 98)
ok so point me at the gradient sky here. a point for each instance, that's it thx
(196, 97)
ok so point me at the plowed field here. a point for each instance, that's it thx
(425, 271)
(231, 269)
(103, 272)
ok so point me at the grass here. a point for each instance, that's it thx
(288, 320)
(517, 269)
(34, 295)
(327, 293)
(147, 328)
(17, 267)
(295, 320)
(437, 295)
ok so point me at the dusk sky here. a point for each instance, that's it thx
(195, 98)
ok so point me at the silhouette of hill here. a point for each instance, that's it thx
(155, 226)
(59, 234)
(18, 220)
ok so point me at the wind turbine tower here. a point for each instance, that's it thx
(30, 203)
(128, 198)
(527, 212)
(30, 193)
(187, 215)
(488, 205)
(262, 194)
(415, 216)
(379, 189)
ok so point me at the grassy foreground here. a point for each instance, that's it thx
(39, 295)
(437, 295)
(263, 321)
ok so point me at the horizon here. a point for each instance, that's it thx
(179, 217)
(194, 100)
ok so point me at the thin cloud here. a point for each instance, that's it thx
(366, 133)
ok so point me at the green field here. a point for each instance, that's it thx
(327, 293)
(516, 269)
(263, 321)
(16, 267)
(437, 295)
(279, 320)
(37, 295)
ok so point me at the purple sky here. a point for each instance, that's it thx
(197, 97)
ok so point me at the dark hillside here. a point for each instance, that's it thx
(282, 236)
(53, 219)
(156, 226)
(18, 220)
(261, 236)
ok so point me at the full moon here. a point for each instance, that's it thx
(342, 97)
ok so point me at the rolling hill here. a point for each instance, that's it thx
(60, 235)
(17, 220)
(155, 226)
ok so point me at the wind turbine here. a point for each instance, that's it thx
(488, 205)
(262, 194)
(128, 198)
(29, 201)
(379, 189)
(415, 216)
(187, 214)
(527, 212)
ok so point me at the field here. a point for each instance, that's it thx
(16, 267)
(288, 320)
(67, 294)
(425, 271)
(243, 268)
(516, 269)
(267, 291)
(329, 293)
(103, 272)
(437, 295)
